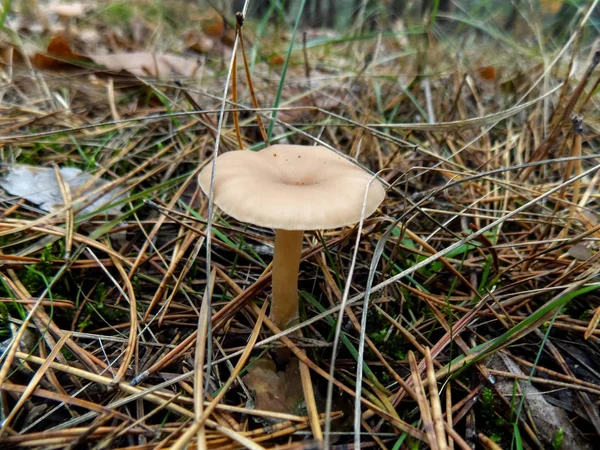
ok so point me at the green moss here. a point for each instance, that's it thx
(117, 13)
(67, 353)
(493, 424)
(137, 287)
(394, 345)
(487, 398)
(36, 277)
(4, 328)
(557, 440)
(100, 295)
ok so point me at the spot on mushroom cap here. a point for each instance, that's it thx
(291, 187)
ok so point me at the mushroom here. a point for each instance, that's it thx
(66, 12)
(291, 188)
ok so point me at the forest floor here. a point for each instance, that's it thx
(472, 295)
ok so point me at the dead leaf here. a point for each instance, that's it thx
(275, 391)
(487, 73)
(580, 252)
(59, 56)
(148, 64)
(276, 61)
(547, 418)
(198, 42)
(40, 186)
(212, 24)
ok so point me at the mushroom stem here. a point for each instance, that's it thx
(286, 263)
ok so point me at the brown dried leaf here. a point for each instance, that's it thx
(212, 23)
(487, 73)
(198, 42)
(275, 391)
(59, 56)
(276, 60)
(148, 64)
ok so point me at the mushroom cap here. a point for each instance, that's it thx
(68, 9)
(292, 187)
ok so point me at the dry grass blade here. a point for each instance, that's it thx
(434, 400)
(118, 330)
(311, 404)
(261, 126)
(199, 394)
(424, 406)
(487, 443)
(69, 215)
(185, 438)
(449, 412)
(33, 384)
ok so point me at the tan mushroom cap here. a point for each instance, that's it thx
(292, 187)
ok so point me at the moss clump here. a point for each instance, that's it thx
(557, 440)
(4, 329)
(494, 426)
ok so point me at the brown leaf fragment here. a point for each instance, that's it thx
(487, 73)
(144, 64)
(198, 42)
(212, 23)
(275, 391)
(59, 56)
(580, 252)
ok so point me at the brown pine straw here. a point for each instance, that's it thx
(240, 22)
(449, 412)
(33, 383)
(114, 378)
(148, 397)
(200, 354)
(133, 322)
(434, 400)
(202, 416)
(424, 406)
(307, 386)
(487, 443)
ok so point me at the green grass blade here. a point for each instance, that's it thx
(284, 71)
